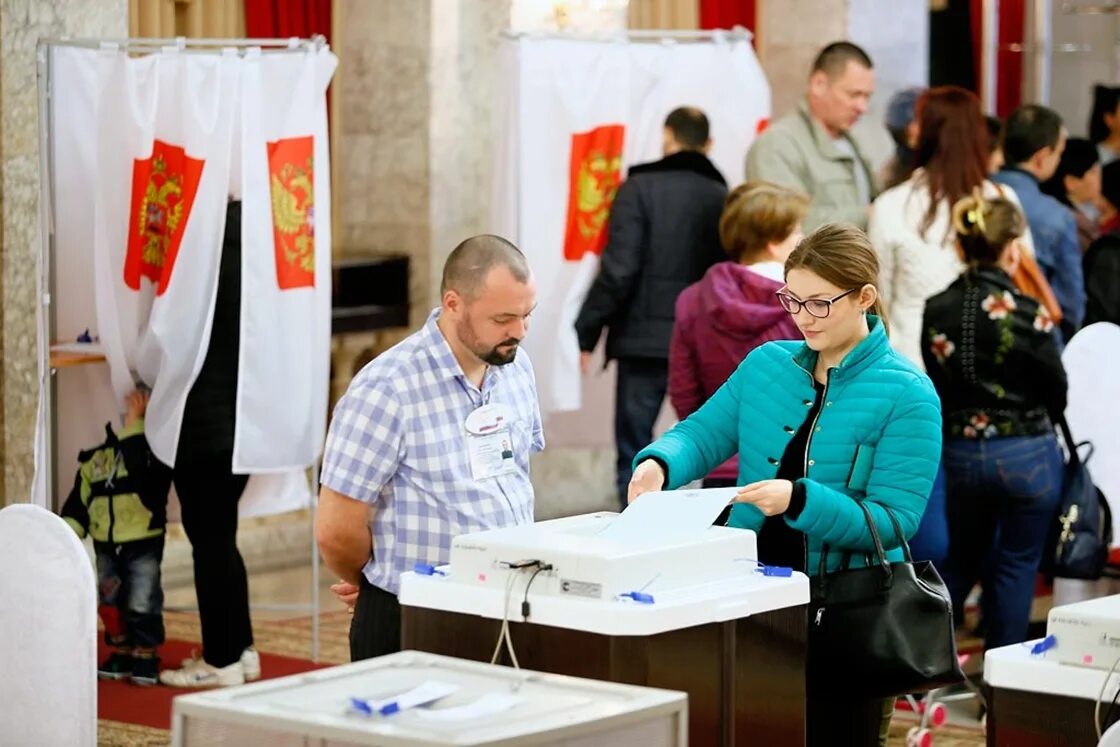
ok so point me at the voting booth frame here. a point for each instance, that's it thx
(44, 488)
(745, 678)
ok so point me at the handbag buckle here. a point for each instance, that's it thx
(1067, 521)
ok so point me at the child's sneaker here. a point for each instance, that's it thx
(199, 674)
(117, 667)
(145, 670)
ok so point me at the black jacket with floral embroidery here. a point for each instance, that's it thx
(992, 354)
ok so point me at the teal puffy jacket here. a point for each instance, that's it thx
(877, 439)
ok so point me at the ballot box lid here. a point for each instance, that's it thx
(534, 705)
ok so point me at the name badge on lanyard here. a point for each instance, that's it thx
(490, 442)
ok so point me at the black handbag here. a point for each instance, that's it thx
(882, 630)
(1081, 534)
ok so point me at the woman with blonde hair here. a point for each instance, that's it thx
(992, 354)
(820, 427)
(734, 309)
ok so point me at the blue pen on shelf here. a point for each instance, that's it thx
(427, 569)
(1044, 645)
(639, 596)
(363, 707)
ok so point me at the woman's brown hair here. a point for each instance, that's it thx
(757, 214)
(841, 254)
(985, 227)
(952, 145)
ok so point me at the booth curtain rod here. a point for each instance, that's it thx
(651, 35)
(183, 42)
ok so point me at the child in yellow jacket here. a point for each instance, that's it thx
(120, 499)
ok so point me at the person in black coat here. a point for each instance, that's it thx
(663, 235)
(209, 492)
(1102, 260)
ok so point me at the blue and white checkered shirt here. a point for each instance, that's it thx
(398, 441)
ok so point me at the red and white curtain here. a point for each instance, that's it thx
(147, 153)
(576, 114)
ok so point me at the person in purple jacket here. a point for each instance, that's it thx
(733, 309)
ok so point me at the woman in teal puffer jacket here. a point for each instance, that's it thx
(818, 425)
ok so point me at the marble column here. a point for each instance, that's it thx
(415, 86)
(895, 33)
(22, 24)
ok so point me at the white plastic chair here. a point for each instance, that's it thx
(48, 632)
(1111, 736)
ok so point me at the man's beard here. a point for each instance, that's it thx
(491, 356)
(495, 356)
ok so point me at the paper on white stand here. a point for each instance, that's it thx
(667, 515)
(490, 704)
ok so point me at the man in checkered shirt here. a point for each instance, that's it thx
(432, 440)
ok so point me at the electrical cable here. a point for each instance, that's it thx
(505, 616)
(525, 599)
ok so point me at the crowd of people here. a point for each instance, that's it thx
(826, 343)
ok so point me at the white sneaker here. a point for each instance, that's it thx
(250, 663)
(199, 674)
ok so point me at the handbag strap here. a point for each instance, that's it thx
(880, 553)
(898, 534)
(1072, 446)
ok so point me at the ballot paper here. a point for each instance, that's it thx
(489, 704)
(668, 516)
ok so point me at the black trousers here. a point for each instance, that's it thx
(639, 392)
(837, 719)
(209, 494)
(375, 629)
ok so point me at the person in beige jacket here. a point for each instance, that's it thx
(812, 150)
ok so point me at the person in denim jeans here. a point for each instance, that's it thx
(1033, 141)
(994, 360)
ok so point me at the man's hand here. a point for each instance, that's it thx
(771, 496)
(584, 362)
(347, 593)
(136, 404)
(647, 478)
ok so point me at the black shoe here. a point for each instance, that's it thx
(145, 670)
(117, 667)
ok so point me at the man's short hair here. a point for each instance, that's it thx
(1029, 129)
(469, 263)
(834, 59)
(995, 132)
(1110, 183)
(689, 126)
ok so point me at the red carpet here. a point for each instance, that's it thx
(151, 706)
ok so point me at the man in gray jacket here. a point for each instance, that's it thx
(811, 149)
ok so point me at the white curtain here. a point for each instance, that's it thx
(562, 99)
(147, 152)
(286, 258)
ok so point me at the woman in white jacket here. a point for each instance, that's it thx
(911, 230)
(910, 225)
